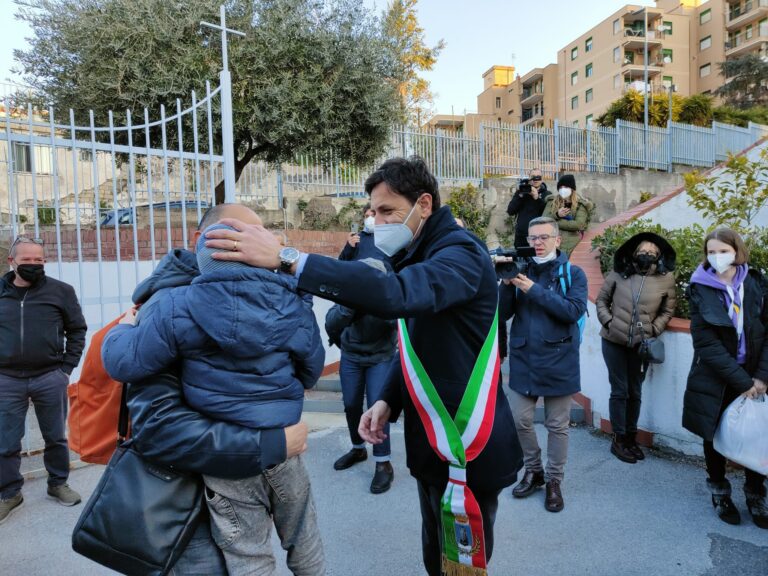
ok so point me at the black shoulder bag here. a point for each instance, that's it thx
(651, 350)
(141, 515)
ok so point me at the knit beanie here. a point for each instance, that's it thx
(567, 180)
(205, 260)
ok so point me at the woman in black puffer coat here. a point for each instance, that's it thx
(729, 322)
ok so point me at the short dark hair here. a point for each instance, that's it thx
(407, 177)
(733, 239)
(212, 215)
(366, 208)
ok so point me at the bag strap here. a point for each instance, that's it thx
(634, 310)
(122, 420)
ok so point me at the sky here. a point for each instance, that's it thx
(478, 34)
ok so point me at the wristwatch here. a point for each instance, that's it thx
(288, 257)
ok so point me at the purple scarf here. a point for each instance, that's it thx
(708, 277)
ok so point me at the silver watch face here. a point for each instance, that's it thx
(289, 255)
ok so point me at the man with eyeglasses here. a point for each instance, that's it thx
(528, 202)
(42, 336)
(547, 302)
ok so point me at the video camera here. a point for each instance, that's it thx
(519, 265)
(524, 185)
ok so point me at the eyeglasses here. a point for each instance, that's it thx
(540, 238)
(27, 240)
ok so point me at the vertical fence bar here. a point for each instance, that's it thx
(56, 191)
(97, 204)
(116, 211)
(33, 168)
(196, 145)
(166, 178)
(150, 193)
(182, 183)
(132, 193)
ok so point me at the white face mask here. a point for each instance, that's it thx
(565, 193)
(370, 222)
(544, 259)
(391, 238)
(721, 262)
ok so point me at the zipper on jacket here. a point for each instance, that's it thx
(22, 322)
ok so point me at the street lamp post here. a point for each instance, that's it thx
(645, 88)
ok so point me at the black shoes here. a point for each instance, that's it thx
(531, 482)
(721, 500)
(351, 458)
(632, 445)
(554, 501)
(757, 506)
(382, 479)
(622, 451)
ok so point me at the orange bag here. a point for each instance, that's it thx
(94, 406)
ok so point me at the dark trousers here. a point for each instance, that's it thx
(716, 461)
(431, 531)
(358, 381)
(626, 374)
(48, 393)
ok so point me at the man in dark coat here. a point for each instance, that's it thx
(443, 283)
(544, 355)
(528, 202)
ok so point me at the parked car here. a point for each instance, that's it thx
(125, 215)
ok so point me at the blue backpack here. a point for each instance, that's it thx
(565, 284)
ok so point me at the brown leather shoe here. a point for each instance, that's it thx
(554, 501)
(621, 450)
(531, 482)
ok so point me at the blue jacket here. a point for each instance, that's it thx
(445, 285)
(248, 343)
(544, 338)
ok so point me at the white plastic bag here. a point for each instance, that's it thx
(742, 435)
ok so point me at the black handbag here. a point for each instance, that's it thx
(651, 350)
(141, 515)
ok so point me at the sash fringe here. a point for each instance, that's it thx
(451, 568)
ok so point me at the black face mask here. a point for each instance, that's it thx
(32, 273)
(644, 262)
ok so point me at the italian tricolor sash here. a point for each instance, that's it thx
(458, 441)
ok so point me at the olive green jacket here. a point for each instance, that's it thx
(571, 228)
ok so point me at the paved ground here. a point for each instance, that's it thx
(649, 519)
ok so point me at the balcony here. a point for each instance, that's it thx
(740, 45)
(530, 97)
(747, 13)
(635, 39)
(532, 118)
(637, 86)
(635, 67)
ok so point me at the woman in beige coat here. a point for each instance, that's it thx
(636, 302)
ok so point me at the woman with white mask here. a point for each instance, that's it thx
(570, 211)
(730, 358)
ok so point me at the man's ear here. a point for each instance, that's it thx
(426, 205)
(195, 238)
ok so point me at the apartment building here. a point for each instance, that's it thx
(746, 25)
(495, 100)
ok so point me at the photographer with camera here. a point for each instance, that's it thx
(528, 202)
(547, 298)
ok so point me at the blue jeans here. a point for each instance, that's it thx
(242, 513)
(358, 381)
(48, 393)
(201, 557)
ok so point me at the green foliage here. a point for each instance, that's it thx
(46, 216)
(645, 196)
(410, 55)
(733, 198)
(696, 110)
(746, 77)
(309, 75)
(741, 117)
(630, 107)
(350, 213)
(301, 205)
(468, 203)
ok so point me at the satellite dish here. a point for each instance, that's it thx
(667, 60)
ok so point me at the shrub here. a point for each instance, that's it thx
(468, 203)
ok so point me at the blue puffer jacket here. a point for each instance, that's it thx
(249, 346)
(544, 337)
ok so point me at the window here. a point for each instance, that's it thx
(616, 26)
(498, 101)
(705, 43)
(574, 102)
(588, 120)
(763, 30)
(574, 78)
(575, 124)
(616, 54)
(588, 96)
(588, 71)
(85, 155)
(667, 27)
(666, 55)
(574, 52)
(588, 44)
(667, 81)
(705, 16)
(705, 70)
(629, 57)
(748, 32)
(22, 158)
(617, 82)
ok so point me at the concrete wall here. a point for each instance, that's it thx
(612, 193)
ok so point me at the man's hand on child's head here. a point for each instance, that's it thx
(129, 317)
(251, 244)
